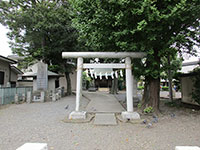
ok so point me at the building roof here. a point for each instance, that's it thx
(188, 67)
(16, 57)
(189, 63)
(7, 60)
(34, 74)
(16, 70)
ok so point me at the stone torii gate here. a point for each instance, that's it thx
(129, 114)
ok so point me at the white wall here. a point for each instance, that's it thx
(186, 90)
(51, 84)
(4, 67)
(13, 76)
(63, 82)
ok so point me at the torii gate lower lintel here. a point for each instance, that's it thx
(129, 114)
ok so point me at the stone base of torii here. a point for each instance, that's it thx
(129, 114)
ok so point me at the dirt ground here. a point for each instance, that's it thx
(42, 122)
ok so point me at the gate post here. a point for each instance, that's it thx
(129, 88)
(79, 82)
(129, 114)
(77, 114)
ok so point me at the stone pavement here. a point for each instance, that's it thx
(102, 102)
(105, 119)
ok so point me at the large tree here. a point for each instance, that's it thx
(159, 28)
(41, 30)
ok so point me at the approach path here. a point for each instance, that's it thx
(102, 102)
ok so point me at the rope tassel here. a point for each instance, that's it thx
(112, 76)
(121, 73)
(116, 74)
(106, 75)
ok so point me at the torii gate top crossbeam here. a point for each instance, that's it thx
(103, 54)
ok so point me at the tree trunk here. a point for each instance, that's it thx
(114, 87)
(69, 87)
(170, 80)
(145, 98)
(151, 95)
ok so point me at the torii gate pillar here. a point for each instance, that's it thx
(77, 114)
(129, 114)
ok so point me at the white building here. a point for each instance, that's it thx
(187, 81)
(8, 72)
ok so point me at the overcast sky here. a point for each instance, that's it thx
(5, 50)
(4, 46)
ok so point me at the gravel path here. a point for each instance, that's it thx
(42, 122)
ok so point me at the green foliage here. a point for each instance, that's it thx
(175, 65)
(165, 88)
(139, 105)
(148, 110)
(140, 87)
(84, 77)
(40, 29)
(160, 28)
(196, 91)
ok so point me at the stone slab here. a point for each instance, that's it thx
(132, 121)
(105, 119)
(92, 89)
(130, 115)
(87, 120)
(187, 148)
(33, 146)
(77, 115)
(103, 102)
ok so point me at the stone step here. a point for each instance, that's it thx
(105, 119)
(187, 148)
(33, 146)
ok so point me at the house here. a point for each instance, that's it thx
(26, 81)
(31, 78)
(8, 72)
(187, 78)
(53, 80)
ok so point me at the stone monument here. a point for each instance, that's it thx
(41, 82)
(42, 76)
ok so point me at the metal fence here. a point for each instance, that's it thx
(7, 94)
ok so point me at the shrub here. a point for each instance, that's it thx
(165, 88)
(139, 105)
(140, 87)
(148, 110)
